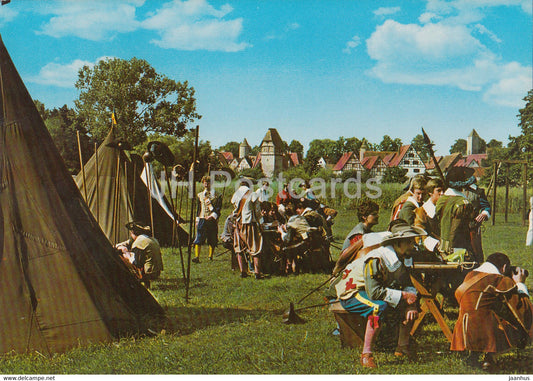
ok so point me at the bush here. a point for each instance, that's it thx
(255, 173)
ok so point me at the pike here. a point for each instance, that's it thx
(429, 146)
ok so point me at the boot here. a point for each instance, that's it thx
(367, 361)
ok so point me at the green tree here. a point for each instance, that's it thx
(63, 126)
(232, 147)
(394, 175)
(143, 101)
(297, 147)
(493, 143)
(524, 141)
(421, 147)
(318, 148)
(389, 144)
(459, 146)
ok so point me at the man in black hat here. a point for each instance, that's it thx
(143, 256)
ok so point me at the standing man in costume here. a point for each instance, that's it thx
(248, 239)
(142, 253)
(456, 214)
(400, 201)
(426, 217)
(414, 201)
(379, 282)
(495, 311)
(209, 205)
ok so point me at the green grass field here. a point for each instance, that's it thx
(234, 326)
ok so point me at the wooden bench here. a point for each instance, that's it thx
(351, 326)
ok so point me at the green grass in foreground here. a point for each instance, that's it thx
(233, 326)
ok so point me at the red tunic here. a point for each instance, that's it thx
(493, 315)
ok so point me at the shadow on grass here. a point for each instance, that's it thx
(186, 320)
(176, 284)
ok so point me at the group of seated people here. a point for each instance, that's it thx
(372, 277)
(293, 234)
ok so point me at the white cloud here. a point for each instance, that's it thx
(7, 14)
(444, 51)
(483, 30)
(61, 75)
(352, 44)
(514, 81)
(92, 20)
(386, 11)
(195, 24)
(293, 26)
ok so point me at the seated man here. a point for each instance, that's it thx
(495, 310)
(380, 281)
(368, 215)
(295, 233)
(143, 257)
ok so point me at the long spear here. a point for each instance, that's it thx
(191, 216)
(429, 146)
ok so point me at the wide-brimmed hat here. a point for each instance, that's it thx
(403, 230)
(137, 227)
(460, 177)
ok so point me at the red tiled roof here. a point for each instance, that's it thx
(257, 160)
(370, 161)
(293, 156)
(388, 158)
(479, 157)
(399, 155)
(342, 161)
(431, 164)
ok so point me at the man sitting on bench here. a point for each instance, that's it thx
(379, 281)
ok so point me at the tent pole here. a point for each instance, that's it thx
(149, 181)
(175, 234)
(191, 215)
(97, 184)
(115, 201)
(82, 166)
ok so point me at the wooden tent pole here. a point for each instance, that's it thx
(82, 166)
(495, 177)
(115, 201)
(97, 184)
(175, 221)
(149, 183)
(191, 215)
(507, 191)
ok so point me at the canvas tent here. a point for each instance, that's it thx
(61, 282)
(124, 198)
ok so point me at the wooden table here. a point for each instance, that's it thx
(428, 301)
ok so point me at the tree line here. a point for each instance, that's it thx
(148, 105)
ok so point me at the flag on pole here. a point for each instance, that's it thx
(113, 118)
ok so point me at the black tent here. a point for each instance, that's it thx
(61, 282)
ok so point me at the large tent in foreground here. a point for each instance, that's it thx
(118, 195)
(61, 282)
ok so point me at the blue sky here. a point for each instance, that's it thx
(311, 69)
